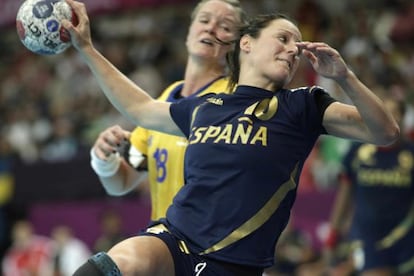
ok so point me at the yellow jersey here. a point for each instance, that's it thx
(165, 153)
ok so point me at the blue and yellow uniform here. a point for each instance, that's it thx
(165, 153)
(382, 182)
(242, 166)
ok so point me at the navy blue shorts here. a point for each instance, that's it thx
(398, 254)
(190, 264)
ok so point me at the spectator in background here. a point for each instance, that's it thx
(111, 231)
(62, 145)
(29, 254)
(70, 252)
(402, 29)
(378, 186)
(7, 157)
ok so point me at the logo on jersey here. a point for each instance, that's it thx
(240, 133)
(157, 229)
(199, 268)
(398, 176)
(229, 134)
(214, 100)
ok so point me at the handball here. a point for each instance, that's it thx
(38, 24)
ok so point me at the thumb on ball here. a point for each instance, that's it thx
(66, 24)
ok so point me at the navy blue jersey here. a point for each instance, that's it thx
(242, 166)
(383, 188)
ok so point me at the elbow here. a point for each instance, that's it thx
(390, 136)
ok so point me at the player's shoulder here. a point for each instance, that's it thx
(137, 131)
(306, 90)
(170, 88)
(295, 96)
(310, 95)
(221, 85)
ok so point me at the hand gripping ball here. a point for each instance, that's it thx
(38, 24)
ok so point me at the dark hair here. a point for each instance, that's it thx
(253, 29)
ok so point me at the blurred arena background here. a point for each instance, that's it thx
(51, 109)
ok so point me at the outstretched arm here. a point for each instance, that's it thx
(367, 120)
(132, 101)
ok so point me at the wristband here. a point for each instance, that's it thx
(105, 168)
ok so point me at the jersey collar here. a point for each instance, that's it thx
(175, 94)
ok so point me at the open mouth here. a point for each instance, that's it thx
(208, 42)
(216, 40)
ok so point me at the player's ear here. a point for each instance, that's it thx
(245, 43)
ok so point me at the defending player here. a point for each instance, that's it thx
(162, 155)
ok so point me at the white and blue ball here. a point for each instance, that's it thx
(38, 24)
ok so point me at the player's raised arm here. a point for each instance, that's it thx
(367, 120)
(132, 101)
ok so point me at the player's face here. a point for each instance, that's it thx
(214, 20)
(274, 56)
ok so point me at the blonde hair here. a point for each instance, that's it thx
(235, 3)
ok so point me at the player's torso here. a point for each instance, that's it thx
(383, 183)
(380, 172)
(254, 148)
(165, 169)
(251, 134)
